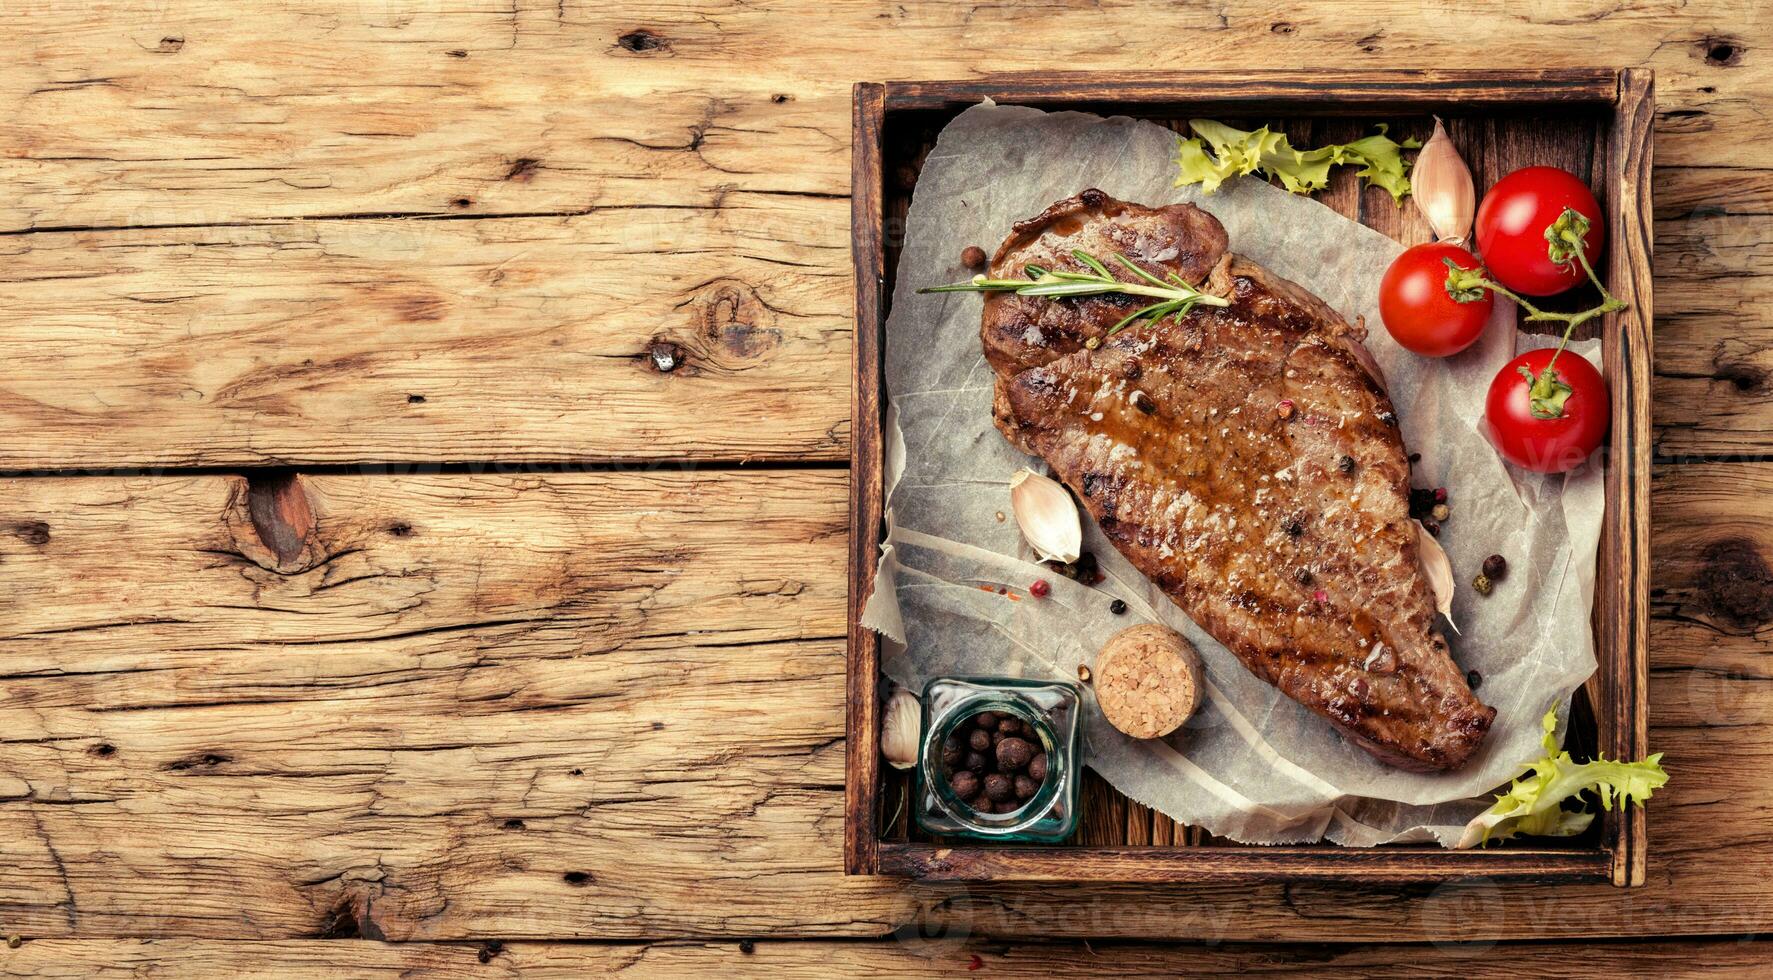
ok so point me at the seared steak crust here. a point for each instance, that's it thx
(1248, 461)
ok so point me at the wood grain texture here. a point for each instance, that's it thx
(379, 736)
(178, 113)
(959, 955)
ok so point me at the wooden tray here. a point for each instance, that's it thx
(1593, 122)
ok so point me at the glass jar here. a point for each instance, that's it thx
(1051, 712)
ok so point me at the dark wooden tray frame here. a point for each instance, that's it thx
(1617, 692)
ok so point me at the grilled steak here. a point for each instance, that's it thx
(1247, 460)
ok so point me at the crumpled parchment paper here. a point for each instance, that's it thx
(1252, 764)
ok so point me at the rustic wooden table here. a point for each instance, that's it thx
(425, 430)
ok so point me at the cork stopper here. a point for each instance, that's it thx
(1148, 680)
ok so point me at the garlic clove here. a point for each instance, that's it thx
(1440, 183)
(901, 723)
(1047, 515)
(1438, 569)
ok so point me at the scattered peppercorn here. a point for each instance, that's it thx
(1293, 526)
(1083, 673)
(747, 947)
(1441, 512)
(1143, 402)
(1302, 576)
(1421, 502)
(1415, 457)
(1432, 527)
(1473, 679)
(1040, 589)
(1482, 584)
(1093, 343)
(972, 256)
(1117, 607)
(1284, 409)
(1346, 464)
(1440, 495)
(1495, 567)
(1083, 570)
(1321, 596)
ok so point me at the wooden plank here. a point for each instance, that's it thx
(861, 824)
(469, 112)
(527, 701)
(813, 960)
(1348, 92)
(652, 333)
(377, 734)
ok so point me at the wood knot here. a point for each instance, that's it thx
(171, 44)
(272, 523)
(1735, 585)
(522, 169)
(642, 40)
(488, 950)
(1280, 27)
(1721, 52)
(665, 356)
(31, 532)
(350, 919)
(734, 327)
(578, 879)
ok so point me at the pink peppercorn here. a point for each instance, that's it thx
(1040, 588)
(1285, 408)
(1321, 596)
(1440, 495)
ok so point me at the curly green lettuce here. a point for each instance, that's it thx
(1218, 151)
(1531, 805)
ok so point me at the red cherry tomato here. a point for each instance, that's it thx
(1547, 445)
(1417, 311)
(1511, 225)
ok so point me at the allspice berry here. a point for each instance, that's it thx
(1014, 753)
(972, 256)
(1025, 787)
(1037, 768)
(964, 784)
(998, 787)
(976, 762)
(980, 740)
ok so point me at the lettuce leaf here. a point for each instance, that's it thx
(1531, 805)
(1218, 151)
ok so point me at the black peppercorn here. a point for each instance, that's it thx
(1473, 679)
(1302, 576)
(1346, 464)
(1117, 607)
(1293, 526)
(1495, 567)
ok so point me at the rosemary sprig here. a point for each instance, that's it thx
(1173, 295)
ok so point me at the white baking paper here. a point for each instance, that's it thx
(1252, 765)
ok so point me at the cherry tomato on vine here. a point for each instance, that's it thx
(1511, 225)
(1543, 421)
(1418, 312)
